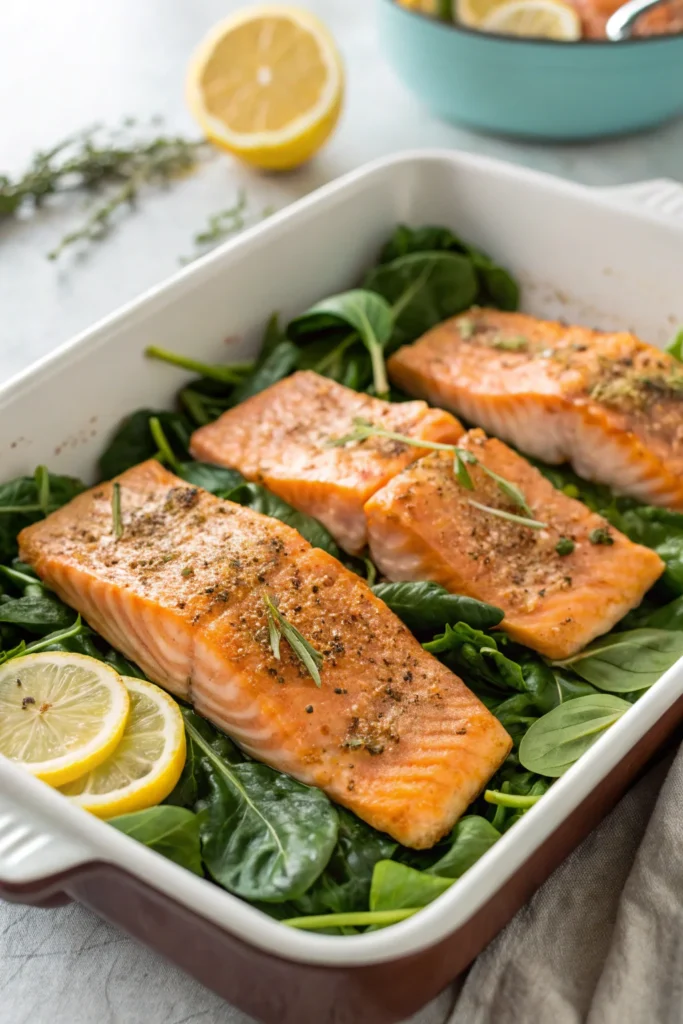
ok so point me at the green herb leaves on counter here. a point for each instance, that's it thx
(429, 607)
(170, 831)
(626, 662)
(279, 627)
(556, 741)
(368, 314)
(264, 836)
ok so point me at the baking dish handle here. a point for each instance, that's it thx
(34, 860)
(662, 196)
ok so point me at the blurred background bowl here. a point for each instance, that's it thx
(534, 88)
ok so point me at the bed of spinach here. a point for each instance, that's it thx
(284, 846)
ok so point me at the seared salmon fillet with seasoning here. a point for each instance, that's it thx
(281, 437)
(560, 584)
(608, 403)
(390, 733)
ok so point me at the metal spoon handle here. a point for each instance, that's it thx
(620, 25)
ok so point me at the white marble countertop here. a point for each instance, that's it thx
(70, 64)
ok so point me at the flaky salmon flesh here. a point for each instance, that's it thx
(391, 733)
(281, 438)
(560, 586)
(606, 402)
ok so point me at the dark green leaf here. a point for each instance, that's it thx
(264, 836)
(477, 652)
(279, 363)
(557, 740)
(20, 505)
(122, 665)
(656, 528)
(668, 617)
(469, 840)
(427, 607)
(170, 831)
(215, 479)
(423, 289)
(398, 887)
(675, 347)
(345, 883)
(626, 662)
(261, 500)
(133, 442)
(272, 337)
(39, 613)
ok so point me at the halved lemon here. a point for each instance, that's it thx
(267, 85)
(547, 19)
(147, 763)
(60, 714)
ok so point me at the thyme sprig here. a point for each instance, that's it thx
(462, 457)
(279, 627)
(117, 522)
(116, 164)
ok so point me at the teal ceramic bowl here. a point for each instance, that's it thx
(534, 88)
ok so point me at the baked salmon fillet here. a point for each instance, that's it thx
(560, 586)
(280, 438)
(391, 733)
(608, 403)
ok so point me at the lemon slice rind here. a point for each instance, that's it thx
(534, 19)
(151, 755)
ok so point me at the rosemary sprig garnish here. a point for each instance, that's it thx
(117, 523)
(279, 627)
(462, 457)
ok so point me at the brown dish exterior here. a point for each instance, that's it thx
(279, 991)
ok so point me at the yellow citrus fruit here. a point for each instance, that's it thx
(60, 714)
(474, 12)
(546, 19)
(147, 763)
(267, 85)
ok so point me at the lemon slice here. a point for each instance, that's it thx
(145, 766)
(60, 714)
(547, 19)
(474, 12)
(267, 85)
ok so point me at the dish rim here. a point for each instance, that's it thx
(468, 894)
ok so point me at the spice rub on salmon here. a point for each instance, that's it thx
(606, 402)
(280, 438)
(560, 585)
(390, 733)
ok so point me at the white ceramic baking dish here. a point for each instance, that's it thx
(598, 257)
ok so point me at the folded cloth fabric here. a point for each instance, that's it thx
(600, 943)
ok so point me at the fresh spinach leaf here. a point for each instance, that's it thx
(367, 313)
(264, 836)
(477, 652)
(122, 665)
(193, 785)
(471, 837)
(670, 616)
(345, 883)
(427, 607)
(496, 286)
(626, 662)
(675, 347)
(261, 500)
(170, 831)
(216, 479)
(656, 528)
(133, 442)
(278, 363)
(396, 886)
(558, 739)
(21, 504)
(39, 612)
(422, 290)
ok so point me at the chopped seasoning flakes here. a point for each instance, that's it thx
(601, 535)
(309, 709)
(187, 571)
(565, 546)
(27, 700)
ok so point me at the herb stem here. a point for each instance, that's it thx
(22, 578)
(352, 919)
(330, 358)
(533, 524)
(117, 523)
(278, 627)
(494, 796)
(231, 374)
(166, 453)
(42, 478)
(47, 641)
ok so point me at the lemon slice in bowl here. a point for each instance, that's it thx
(473, 13)
(267, 85)
(546, 19)
(147, 763)
(60, 714)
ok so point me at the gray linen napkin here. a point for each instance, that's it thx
(600, 943)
